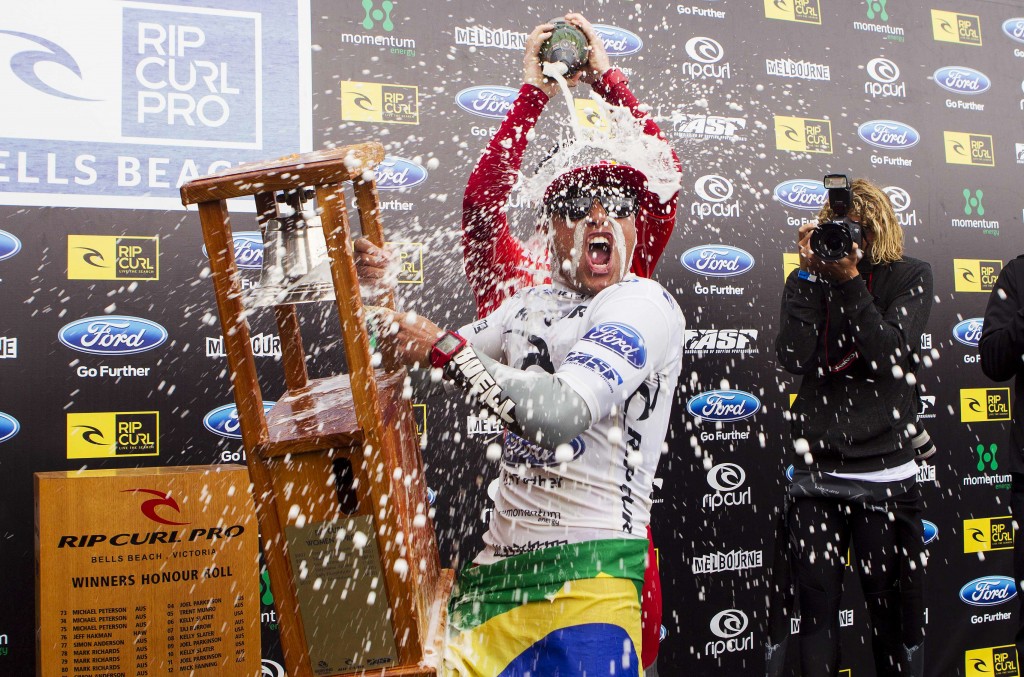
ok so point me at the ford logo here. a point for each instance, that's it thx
(395, 172)
(988, 591)
(223, 420)
(621, 339)
(112, 335)
(931, 532)
(487, 101)
(1014, 29)
(662, 634)
(9, 426)
(802, 194)
(968, 332)
(248, 246)
(431, 496)
(723, 405)
(618, 42)
(717, 260)
(888, 134)
(790, 469)
(9, 245)
(961, 80)
(519, 451)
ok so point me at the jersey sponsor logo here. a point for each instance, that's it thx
(963, 29)
(519, 451)
(720, 341)
(396, 172)
(224, 421)
(596, 365)
(618, 41)
(961, 80)
(717, 260)
(112, 335)
(888, 134)
(801, 194)
(9, 426)
(1014, 29)
(988, 533)
(931, 532)
(472, 374)
(968, 332)
(487, 101)
(620, 339)
(723, 405)
(9, 245)
(988, 591)
(992, 661)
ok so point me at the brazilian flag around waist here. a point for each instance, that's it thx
(564, 611)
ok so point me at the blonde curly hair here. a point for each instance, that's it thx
(872, 209)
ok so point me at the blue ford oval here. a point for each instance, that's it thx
(802, 194)
(719, 260)
(621, 339)
(223, 420)
(112, 335)
(9, 245)
(617, 41)
(931, 532)
(9, 426)
(988, 591)
(395, 172)
(248, 246)
(888, 134)
(519, 451)
(790, 469)
(723, 405)
(968, 332)
(487, 101)
(1014, 29)
(961, 80)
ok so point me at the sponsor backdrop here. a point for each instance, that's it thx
(110, 352)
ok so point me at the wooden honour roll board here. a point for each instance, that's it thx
(147, 571)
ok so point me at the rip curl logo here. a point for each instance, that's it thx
(24, 65)
(620, 339)
(150, 506)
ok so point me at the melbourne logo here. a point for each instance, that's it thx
(487, 101)
(617, 41)
(376, 102)
(884, 74)
(800, 11)
(621, 339)
(965, 148)
(224, 421)
(112, 335)
(714, 192)
(802, 70)
(163, 499)
(900, 200)
(988, 533)
(801, 194)
(717, 260)
(705, 57)
(9, 426)
(720, 341)
(975, 275)
(113, 434)
(803, 135)
(106, 257)
(395, 172)
(964, 29)
(961, 80)
(482, 36)
(723, 405)
(968, 332)
(988, 591)
(9, 245)
(984, 404)
(888, 134)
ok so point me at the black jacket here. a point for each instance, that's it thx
(853, 344)
(1002, 347)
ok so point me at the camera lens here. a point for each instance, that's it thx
(831, 241)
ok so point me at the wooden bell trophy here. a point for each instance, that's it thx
(337, 474)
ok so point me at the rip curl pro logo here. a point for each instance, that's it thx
(162, 500)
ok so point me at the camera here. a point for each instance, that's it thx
(833, 240)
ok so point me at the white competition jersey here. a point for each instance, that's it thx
(621, 351)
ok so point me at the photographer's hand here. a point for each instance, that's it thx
(836, 272)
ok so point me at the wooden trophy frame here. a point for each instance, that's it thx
(361, 416)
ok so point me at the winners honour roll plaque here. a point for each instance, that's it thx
(147, 571)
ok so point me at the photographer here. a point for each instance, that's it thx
(851, 320)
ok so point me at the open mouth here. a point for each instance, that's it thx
(599, 252)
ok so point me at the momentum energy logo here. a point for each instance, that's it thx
(376, 102)
(977, 275)
(9, 427)
(801, 11)
(965, 148)
(988, 533)
(112, 335)
(984, 404)
(964, 29)
(9, 245)
(111, 257)
(803, 135)
(113, 434)
(487, 101)
(992, 661)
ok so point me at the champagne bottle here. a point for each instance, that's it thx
(567, 45)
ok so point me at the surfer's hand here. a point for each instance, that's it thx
(532, 67)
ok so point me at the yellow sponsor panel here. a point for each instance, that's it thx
(965, 148)
(801, 11)
(803, 135)
(589, 115)
(988, 533)
(976, 275)
(113, 434)
(410, 261)
(113, 257)
(419, 413)
(984, 404)
(377, 102)
(963, 29)
(792, 399)
(992, 661)
(790, 262)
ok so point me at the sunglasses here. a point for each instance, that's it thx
(617, 204)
